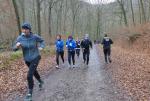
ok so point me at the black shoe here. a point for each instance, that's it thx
(106, 62)
(41, 84)
(110, 61)
(29, 95)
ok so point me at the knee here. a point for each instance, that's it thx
(29, 77)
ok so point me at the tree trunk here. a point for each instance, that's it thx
(38, 17)
(123, 11)
(49, 19)
(17, 15)
(143, 11)
(140, 11)
(132, 12)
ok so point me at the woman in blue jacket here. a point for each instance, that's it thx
(59, 49)
(30, 44)
(71, 45)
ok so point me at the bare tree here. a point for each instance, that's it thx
(17, 15)
(121, 4)
(132, 12)
(143, 11)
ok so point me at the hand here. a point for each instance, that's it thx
(18, 44)
(40, 48)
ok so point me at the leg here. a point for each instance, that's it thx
(109, 55)
(73, 57)
(105, 54)
(62, 56)
(78, 52)
(69, 57)
(88, 54)
(57, 58)
(84, 56)
(32, 71)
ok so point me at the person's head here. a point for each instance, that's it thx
(70, 37)
(58, 37)
(26, 28)
(86, 36)
(105, 35)
(77, 39)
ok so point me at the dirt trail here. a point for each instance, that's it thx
(92, 83)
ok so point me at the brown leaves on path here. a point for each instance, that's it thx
(131, 71)
(13, 79)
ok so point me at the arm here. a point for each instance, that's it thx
(66, 44)
(111, 42)
(75, 44)
(41, 41)
(62, 43)
(91, 44)
(17, 44)
(81, 44)
(102, 41)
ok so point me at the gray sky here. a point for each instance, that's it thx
(99, 1)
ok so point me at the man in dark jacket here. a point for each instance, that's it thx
(85, 45)
(107, 48)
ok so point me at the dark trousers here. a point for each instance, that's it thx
(57, 56)
(71, 55)
(33, 72)
(107, 53)
(86, 54)
(78, 52)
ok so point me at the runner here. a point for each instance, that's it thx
(78, 47)
(71, 45)
(86, 44)
(107, 48)
(59, 50)
(30, 44)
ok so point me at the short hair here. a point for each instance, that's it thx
(58, 35)
(105, 35)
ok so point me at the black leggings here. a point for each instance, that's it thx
(71, 54)
(33, 71)
(78, 52)
(57, 56)
(86, 55)
(107, 53)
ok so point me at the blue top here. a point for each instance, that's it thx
(59, 45)
(71, 45)
(107, 42)
(30, 46)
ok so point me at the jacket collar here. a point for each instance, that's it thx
(22, 34)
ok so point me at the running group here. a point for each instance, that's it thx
(31, 44)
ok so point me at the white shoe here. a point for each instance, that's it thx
(57, 67)
(74, 66)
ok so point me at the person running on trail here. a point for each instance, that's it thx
(78, 47)
(86, 44)
(106, 42)
(71, 45)
(30, 44)
(59, 49)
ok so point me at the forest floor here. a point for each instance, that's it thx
(82, 83)
(130, 71)
(127, 78)
(13, 73)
